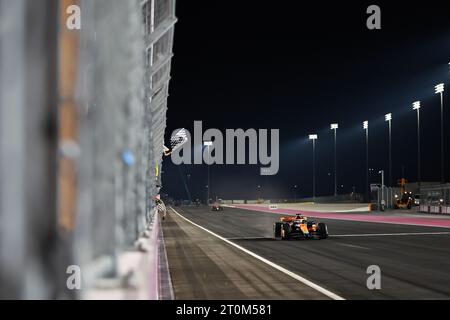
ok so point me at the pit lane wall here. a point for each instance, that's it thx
(125, 63)
(142, 273)
(83, 117)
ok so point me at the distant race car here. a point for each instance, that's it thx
(216, 207)
(299, 227)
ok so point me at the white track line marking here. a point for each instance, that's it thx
(390, 234)
(270, 263)
(352, 246)
(247, 238)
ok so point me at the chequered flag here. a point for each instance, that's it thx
(178, 139)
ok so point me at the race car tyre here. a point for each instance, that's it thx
(277, 230)
(286, 231)
(323, 230)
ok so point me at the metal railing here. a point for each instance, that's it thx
(435, 199)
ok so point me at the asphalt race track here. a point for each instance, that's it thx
(414, 260)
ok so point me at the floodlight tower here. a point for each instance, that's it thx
(334, 127)
(388, 118)
(313, 138)
(416, 106)
(208, 144)
(439, 89)
(366, 129)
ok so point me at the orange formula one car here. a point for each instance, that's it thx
(299, 227)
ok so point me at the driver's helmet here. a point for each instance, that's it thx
(300, 217)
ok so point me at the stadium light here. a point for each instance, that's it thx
(208, 144)
(313, 138)
(388, 118)
(366, 129)
(334, 127)
(366, 125)
(382, 189)
(416, 106)
(439, 89)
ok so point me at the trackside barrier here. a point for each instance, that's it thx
(138, 271)
(165, 281)
(153, 259)
(445, 209)
(435, 198)
(148, 266)
(435, 209)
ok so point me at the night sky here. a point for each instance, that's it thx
(299, 68)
